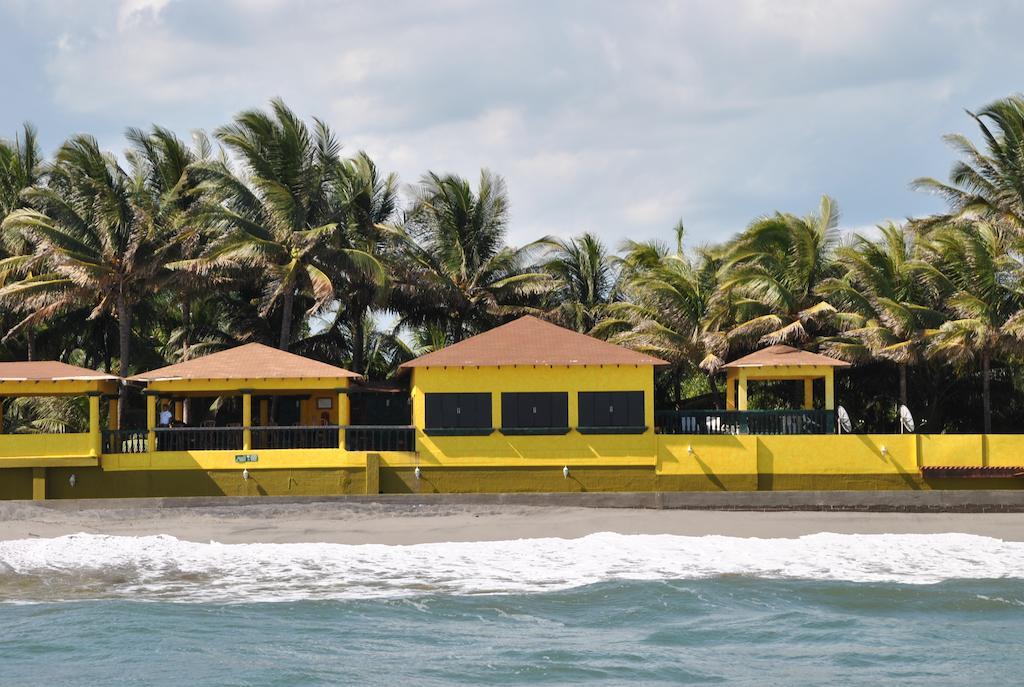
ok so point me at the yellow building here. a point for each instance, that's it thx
(527, 406)
(530, 398)
(253, 400)
(25, 455)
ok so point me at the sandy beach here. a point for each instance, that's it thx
(375, 523)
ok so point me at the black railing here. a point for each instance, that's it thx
(320, 436)
(199, 439)
(380, 438)
(745, 422)
(124, 441)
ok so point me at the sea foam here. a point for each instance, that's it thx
(87, 566)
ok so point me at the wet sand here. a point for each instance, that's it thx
(375, 523)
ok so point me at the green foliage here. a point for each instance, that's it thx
(267, 232)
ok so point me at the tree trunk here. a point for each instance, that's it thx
(30, 344)
(359, 346)
(986, 392)
(903, 383)
(286, 319)
(186, 329)
(124, 330)
(715, 395)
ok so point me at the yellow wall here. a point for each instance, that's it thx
(547, 450)
(954, 449)
(23, 446)
(715, 463)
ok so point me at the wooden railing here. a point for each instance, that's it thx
(745, 422)
(320, 436)
(124, 441)
(357, 438)
(380, 438)
(199, 439)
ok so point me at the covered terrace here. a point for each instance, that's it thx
(252, 397)
(773, 364)
(32, 446)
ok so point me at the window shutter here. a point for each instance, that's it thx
(586, 409)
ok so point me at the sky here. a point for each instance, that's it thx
(618, 118)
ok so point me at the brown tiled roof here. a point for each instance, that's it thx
(251, 361)
(530, 341)
(774, 356)
(46, 370)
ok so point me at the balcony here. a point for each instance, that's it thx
(773, 422)
(357, 438)
(270, 438)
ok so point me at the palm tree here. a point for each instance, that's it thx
(370, 201)
(666, 308)
(455, 269)
(977, 267)
(383, 350)
(161, 162)
(883, 302)
(584, 278)
(770, 273)
(95, 245)
(21, 167)
(281, 217)
(987, 183)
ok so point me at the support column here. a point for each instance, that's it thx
(112, 414)
(38, 484)
(808, 394)
(264, 412)
(178, 409)
(246, 420)
(344, 415)
(151, 421)
(372, 473)
(742, 400)
(830, 391)
(95, 435)
(730, 392)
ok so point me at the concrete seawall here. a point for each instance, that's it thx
(946, 501)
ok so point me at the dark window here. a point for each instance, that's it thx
(535, 411)
(458, 411)
(617, 410)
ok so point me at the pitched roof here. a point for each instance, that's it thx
(251, 361)
(774, 356)
(530, 341)
(49, 370)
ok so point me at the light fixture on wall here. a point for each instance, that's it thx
(885, 451)
(245, 473)
(72, 481)
(418, 472)
(689, 449)
(565, 472)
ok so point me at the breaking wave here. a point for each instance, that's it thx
(87, 566)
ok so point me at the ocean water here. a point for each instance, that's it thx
(604, 609)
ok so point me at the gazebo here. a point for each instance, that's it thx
(781, 363)
(39, 450)
(775, 363)
(269, 399)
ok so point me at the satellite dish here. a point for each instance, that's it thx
(906, 420)
(844, 420)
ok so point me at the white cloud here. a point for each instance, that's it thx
(134, 12)
(620, 119)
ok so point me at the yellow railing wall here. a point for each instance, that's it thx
(28, 450)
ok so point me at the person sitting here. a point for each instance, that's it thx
(165, 417)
